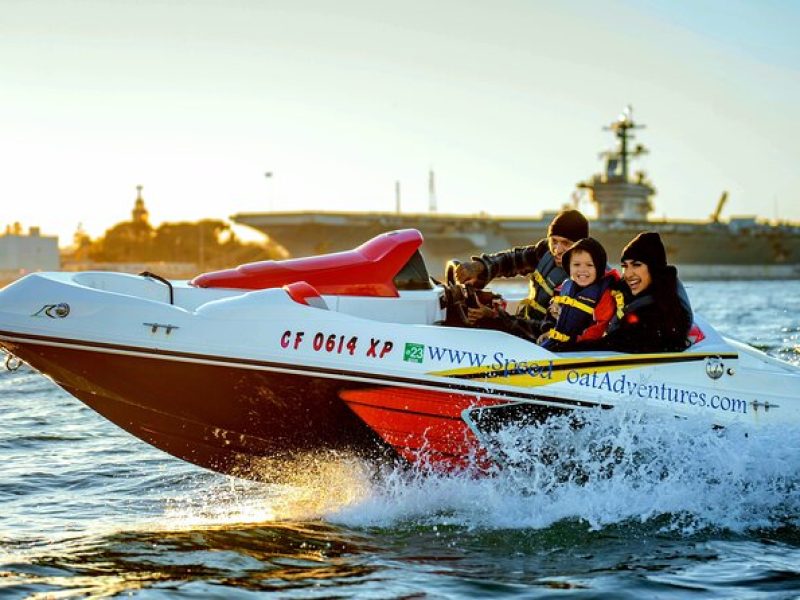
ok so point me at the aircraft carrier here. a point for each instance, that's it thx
(716, 248)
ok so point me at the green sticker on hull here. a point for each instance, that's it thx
(414, 352)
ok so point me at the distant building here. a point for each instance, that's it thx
(31, 252)
(139, 213)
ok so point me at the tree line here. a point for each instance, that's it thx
(209, 242)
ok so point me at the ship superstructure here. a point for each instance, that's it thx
(615, 194)
(739, 248)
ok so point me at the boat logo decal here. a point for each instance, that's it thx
(154, 327)
(334, 343)
(414, 352)
(53, 311)
(714, 367)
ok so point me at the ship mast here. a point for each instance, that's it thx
(623, 128)
(616, 194)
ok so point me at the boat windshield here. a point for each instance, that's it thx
(414, 275)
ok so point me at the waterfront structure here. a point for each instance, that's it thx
(24, 253)
(739, 248)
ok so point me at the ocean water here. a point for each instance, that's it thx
(637, 507)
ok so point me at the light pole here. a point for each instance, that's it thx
(270, 193)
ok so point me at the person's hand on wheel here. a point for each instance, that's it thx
(469, 272)
(476, 314)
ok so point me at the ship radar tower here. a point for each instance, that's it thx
(617, 195)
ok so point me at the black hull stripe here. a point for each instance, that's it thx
(547, 401)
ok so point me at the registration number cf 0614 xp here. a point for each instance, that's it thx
(334, 343)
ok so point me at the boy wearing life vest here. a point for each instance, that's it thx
(584, 305)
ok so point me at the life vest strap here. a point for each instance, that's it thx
(620, 301)
(543, 283)
(528, 304)
(569, 301)
(557, 335)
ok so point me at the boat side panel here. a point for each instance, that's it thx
(216, 416)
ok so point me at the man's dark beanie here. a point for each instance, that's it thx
(595, 250)
(648, 248)
(570, 224)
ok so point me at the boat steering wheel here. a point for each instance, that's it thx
(458, 298)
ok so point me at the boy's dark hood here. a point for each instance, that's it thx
(595, 250)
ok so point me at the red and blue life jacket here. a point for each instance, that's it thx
(577, 308)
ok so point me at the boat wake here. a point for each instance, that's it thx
(611, 468)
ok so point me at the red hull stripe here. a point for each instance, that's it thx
(400, 410)
(422, 426)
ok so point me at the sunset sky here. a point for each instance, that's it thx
(505, 100)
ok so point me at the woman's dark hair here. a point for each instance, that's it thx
(664, 290)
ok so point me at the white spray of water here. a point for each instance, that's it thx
(616, 467)
(313, 486)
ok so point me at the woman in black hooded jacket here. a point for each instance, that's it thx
(653, 314)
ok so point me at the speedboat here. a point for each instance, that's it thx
(358, 352)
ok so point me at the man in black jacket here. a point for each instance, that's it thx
(541, 262)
